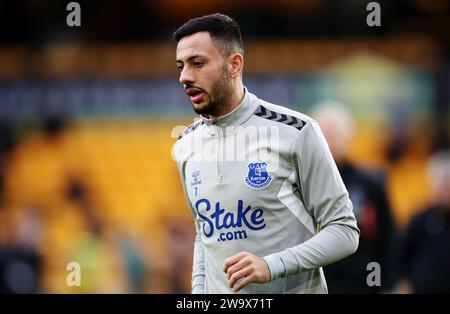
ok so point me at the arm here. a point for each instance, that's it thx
(385, 232)
(404, 252)
(198, 264)
(327, 201)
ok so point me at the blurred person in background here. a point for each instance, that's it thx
(423, 259)
(20, 259)
(109, 264)
(7, 146)
(180, 249)
(371, 207)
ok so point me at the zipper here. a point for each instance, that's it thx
(219, 158)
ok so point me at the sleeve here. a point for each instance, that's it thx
(198, 263)
(198, 266)
(327, 201)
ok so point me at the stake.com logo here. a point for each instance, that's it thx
(221, 219)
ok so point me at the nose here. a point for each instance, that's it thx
(186, 76)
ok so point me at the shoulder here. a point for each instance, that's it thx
(190, 129)
(418, 222)
(282, 115)
(181, 148)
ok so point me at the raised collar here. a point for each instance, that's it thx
(238, 115)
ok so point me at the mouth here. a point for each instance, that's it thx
(195, 94)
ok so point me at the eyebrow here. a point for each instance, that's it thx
(191, 58)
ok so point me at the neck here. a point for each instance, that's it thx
(234, 101)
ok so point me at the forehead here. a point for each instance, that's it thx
(196, 44)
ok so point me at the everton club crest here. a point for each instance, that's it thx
(258, 176)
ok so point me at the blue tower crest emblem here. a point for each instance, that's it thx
(258, 176)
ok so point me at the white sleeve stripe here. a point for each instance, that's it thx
(287, 197)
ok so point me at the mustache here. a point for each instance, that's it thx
(187, 86)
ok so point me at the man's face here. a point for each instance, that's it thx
(203, 72)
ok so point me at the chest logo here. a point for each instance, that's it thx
(195, 178)
(258, 176)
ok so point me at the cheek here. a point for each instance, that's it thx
(211, 75)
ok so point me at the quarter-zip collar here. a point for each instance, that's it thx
(238, 115)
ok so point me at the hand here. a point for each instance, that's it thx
(244, 268)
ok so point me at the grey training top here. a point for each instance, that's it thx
(261, 179)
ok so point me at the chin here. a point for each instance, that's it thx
(200, 108)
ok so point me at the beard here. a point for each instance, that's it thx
(220, 94)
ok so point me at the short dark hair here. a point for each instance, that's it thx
(224, 31)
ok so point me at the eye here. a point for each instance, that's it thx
(198, 64)
(180, 67)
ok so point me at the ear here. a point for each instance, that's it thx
(236, 64)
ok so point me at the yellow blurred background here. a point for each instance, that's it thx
(86, 181)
